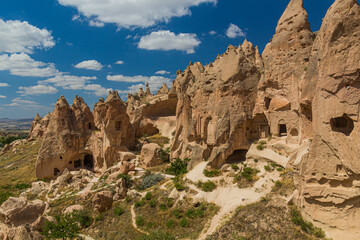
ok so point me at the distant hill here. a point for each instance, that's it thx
(15, 124)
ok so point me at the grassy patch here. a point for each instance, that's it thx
(158, 139)
(212, 173)
(246, 177)
(208, 186)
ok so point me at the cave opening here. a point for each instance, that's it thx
(237, 156)
(267, 103)
(342, 124)
(282, 130)
(89, 161)
(56, 172)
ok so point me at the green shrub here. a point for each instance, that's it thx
(177, 213)
(119, 210)
(206, 186)
(195, 213)
(279, 169)
(99, 217)
(184, 223)
(151, 180)
(65, 227)
(278, 184)
(256, 160)
(260, 147)
(139, 203)
(248, 173)
(235, 167)
(83, 217)
(170, 223)
(267, 168)
(162, 207)
(180, 187)
(178, 167)
(273, 165)
(169, 202)
(164, 154)
(148, 196)
(128, 199)
(152, 203)
(22, 186)
(212, 173)
(306, 226)
(4, 196)
(140, 221)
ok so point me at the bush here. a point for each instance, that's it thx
(260, 147)
(179, 186)
(162, 207)
(140, 221)
(22, 186)
(195, 213)
(148, 196)
(65, 227)
(4, 196)
(178, 167)
(139, 203)
(306, 226)
(177, 213)
(278, 184)
(235, 167)
(164, 154)
(152, 203)
(212, 173)
(83, 218)
(119, 211)
(151, 180)
(184, 223)
(248, 173)
(206, 186)
(267, 168)
(99, 217)
(256, 160)
(170, 223)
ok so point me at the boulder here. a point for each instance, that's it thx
(126, 156)
(150, 155)
(18, 211)
(73, 208)
(102, 201)
(121, 189)
(38, 187)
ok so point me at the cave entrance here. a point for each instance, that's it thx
(342, 124)
(267, 103)
(282, 129)
(237, 156)
(89, 161)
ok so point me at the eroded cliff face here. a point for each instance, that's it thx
(329, 183)
(215, 106)
(286, 58)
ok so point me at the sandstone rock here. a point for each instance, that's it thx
(121, 189)
(102, 201)
(150, 155)
(72, 209)
(18, 211)
(163, 90)
(126, 156)
(38, 187)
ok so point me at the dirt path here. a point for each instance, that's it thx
(133, 220)
(88, 186)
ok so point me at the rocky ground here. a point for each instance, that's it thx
(243, 200)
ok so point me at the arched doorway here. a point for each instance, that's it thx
(89, 161)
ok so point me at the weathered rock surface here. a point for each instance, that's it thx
(102, 201)
(215, 106)
(150, 155)
(329, 173)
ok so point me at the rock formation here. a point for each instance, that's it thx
(330, 172)
(215, 107)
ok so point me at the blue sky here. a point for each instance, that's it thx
(50, 48)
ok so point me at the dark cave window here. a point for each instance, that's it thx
(56, 171)
(267, 102)
(89, 161)
(282, 130)
(342, 124)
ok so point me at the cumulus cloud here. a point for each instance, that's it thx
(2, 96)
(212, 32)
(162, 72)
(76, 83)
(134, 13)
(23, 65)
(155, 82)
(234, 31)
(90, 65)
(166, 40)
(38, 89)
(4, 85)
(119, 62)
(17, 36)
(96, 23)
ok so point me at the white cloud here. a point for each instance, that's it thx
(119, 62)
(90, 65)
(96, 23)
(76, 83)
(23, 65)
(16, 36)
(2, 96)
(155, 82)
(68, 81)
(162, 72)
(212, 32)
(166, 40)
(38, 89)
(234, 31)
(4, 85)
(132, 13)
